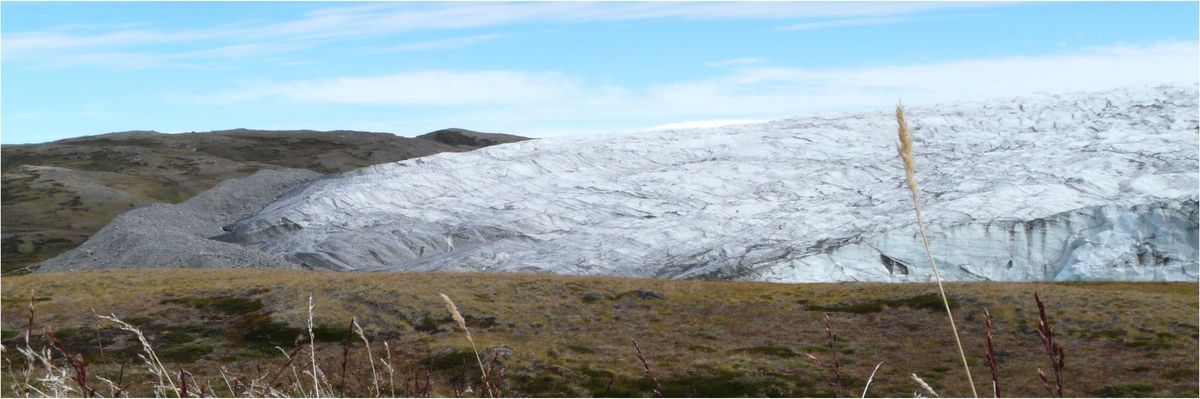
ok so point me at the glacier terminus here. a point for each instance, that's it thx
(1084, 186)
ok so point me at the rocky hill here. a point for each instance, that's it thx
(56, 195)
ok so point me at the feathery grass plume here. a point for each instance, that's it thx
(991, 353)
(312, 348)
(55, 378)
(114, 391)
(77, 364)
(925, 387)
(300, 343)
(29, 327)
(906, 155)
(54, 381)
(646, 368)
(295, 378)
(1053, 348)
(391, 370)
(462, 324)
(151, 358)
(370, 359)
(871, 378)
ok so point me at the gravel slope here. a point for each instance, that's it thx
(162, 235)
(56, 195)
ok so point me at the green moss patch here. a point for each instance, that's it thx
(452, 360)
(330, 333)
(1134, 390)
(231, 305)
(580, 349)
(1157, 342)
(776, 351)
(924, 301)
(260, 332)
(722, 384)
(604, 383)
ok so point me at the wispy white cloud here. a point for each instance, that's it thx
(553, 99)
(419, 88)
(375, 20)
(208, 58)
(453, 42)
(841, 23)
(736, 62)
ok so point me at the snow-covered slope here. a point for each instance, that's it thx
(1079, 186)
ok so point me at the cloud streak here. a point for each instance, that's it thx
(432, 88)
(62, 45)
(453, 42)
(841, 23)
(736, 62)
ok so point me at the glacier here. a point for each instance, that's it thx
(1075, 186)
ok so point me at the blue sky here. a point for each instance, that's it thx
(551, 69)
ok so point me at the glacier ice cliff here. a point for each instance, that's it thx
(1082, 186)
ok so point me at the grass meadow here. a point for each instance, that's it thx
(572, 335)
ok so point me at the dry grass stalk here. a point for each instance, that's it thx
(495, 385)
(1053, 348)
(325, 381)
(415, 389)
(391, 370)
(906, 155)
(113, 389)
(312, 348)
(28, 334)
(29, 326)
(991, 353)
(54, 380)
(120, 379)
(289, 364)
(232, 393)
(183, 387)
(646, 369)
(871, 378)
(835, 380)
(151, 359)
(300, 343)
(374, 375)
(77, 365)
(462, 324)
(924, 387)
(346, 347)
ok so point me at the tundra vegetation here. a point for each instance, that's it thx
(546, 335)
